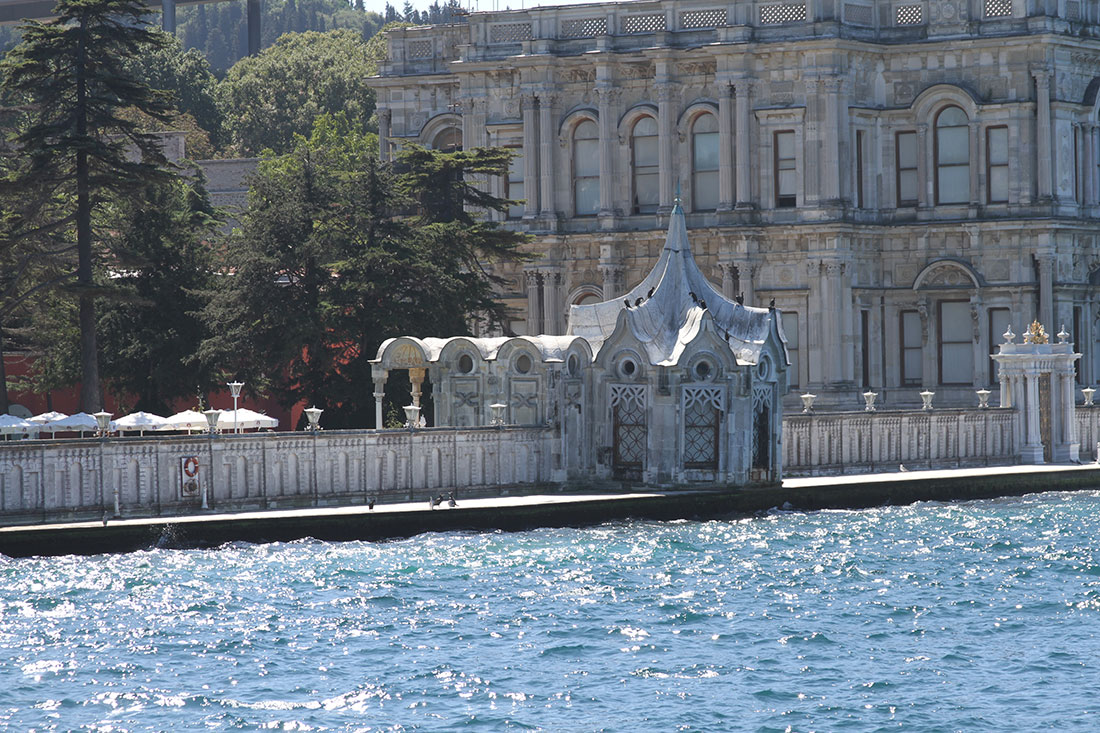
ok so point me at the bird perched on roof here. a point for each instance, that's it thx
(650, 293)
(451, 500)
(627, 303)
(726, 336)
(702, 304)
(370, 503)
(638, 302)
(740, 299)
(694, 297)
(771, 304)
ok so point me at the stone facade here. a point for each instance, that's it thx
(902, 178)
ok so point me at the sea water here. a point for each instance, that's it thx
(932, 617)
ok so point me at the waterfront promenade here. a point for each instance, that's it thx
(577, 507)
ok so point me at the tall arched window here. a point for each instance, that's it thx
(643, 144)
(952, 157)
(704, 163)
(448, 140)
(586, 169)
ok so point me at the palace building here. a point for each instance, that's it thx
(902, 179)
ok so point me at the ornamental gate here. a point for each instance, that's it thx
(629, 436)
(702, 412)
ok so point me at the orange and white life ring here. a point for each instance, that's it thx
(190, 466)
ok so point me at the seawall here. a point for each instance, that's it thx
(396, 520)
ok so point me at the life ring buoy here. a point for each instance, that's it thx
(190, 466)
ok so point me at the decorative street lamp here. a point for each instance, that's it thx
(103, 422)
(313, 414)
(212, 422)
(235, 388)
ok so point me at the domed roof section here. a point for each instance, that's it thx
(673, 297)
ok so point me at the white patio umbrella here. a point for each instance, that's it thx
(140, 421)
(246, 420)
(81, 422)
(12, 425)
(46, 419)
(186, 420)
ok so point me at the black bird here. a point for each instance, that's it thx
(740, 299)
(694, 297)
(638, 302)
(771, 304)
(703, 304)
(726, 335)
(650, 293)
(370, 504)
(627, 303)
(451, 500)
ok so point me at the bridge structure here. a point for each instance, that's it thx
(16, 11)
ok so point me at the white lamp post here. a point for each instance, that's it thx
(103, 422)
(235, 388)
(313, 414)
(212, 422)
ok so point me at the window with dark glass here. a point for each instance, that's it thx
(704, 163)
(905, 152)
(643, 144)
(956, 343)
(910, 348)
(514, 184)
(952, 157)
(996, 175)
(790, 330)
(859, 169)
(999, 320)
(586, 169)
(785, 174)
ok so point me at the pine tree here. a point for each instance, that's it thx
(72, 77)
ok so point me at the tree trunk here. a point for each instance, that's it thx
(89, 356)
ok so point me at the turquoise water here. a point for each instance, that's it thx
(979, 616)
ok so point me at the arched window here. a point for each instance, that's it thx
(643, 146)
(704, 163)
(952, 157)
(586, 169)
(448, 141)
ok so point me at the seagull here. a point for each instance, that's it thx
(902, 468)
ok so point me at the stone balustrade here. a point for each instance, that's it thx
(66, 479)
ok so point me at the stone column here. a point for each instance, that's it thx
(830, 168)
(609, 98)
(416, 378)
(977, 163)
(743, 143)
(833, 320)
(925, 169)
(1046, 290)
(385, 117)
(1033, 445)
(1044, 149)
(534, 315)
(612, 280)
(1088, 164)
(666, 118)
(530, 156)
(379, 375)
(725, 148)
(548, 134)
(551, 300)
(730, 277)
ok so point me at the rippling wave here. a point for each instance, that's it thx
(978, 616)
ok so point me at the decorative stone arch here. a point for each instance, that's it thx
(439, 124)
(693, 112)
(403, 352)
(581, 295)
(453, 351)
(573, 118)
(460, 383)
(935, 98)
(630, 118)
(521, 370)
(947, 273)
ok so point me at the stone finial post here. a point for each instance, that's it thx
(1088, 392)
(926, 399)
(869, 401)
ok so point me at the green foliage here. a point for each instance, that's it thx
(324, 271)
(150, 329)
(187, 75)
(281, 92)
(219, 30)
(78, 145)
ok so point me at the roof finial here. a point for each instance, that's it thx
(677, 199)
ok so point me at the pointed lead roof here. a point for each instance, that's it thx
(670, 319)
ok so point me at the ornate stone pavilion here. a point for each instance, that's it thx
(668, 383)
(902, 177)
